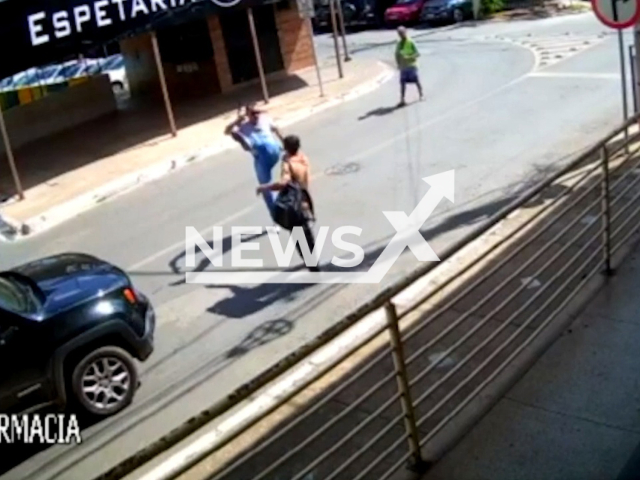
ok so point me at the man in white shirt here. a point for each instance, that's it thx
(257, 134)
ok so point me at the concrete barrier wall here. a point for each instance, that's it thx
(59, 111)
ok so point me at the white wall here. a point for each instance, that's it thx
(59, 111)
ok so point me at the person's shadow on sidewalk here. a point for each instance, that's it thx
(378, 112)
(247, 300)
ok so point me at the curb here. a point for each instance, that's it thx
(11, 230)
(561, 10)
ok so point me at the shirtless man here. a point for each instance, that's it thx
(295, 165)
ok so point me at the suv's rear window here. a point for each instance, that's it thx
(16, 297)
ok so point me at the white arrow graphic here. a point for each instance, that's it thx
(407, 235)
(408, 227)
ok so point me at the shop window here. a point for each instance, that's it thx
(239, 45)
(283, 5)
(186, 43)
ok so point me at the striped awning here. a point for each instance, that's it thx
(39, 32)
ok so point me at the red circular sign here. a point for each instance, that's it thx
(626, 11)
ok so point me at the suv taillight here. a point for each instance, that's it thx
(130, 295)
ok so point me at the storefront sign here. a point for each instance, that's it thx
(45, 26)
(44, 31)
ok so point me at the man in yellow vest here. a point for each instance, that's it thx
(407, 59)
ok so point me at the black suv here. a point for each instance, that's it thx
(70, 327)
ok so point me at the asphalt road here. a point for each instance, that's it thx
(488, 114)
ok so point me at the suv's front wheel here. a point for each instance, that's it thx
(104, 381)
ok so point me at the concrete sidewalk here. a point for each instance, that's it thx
(74, 171)
(576, 414)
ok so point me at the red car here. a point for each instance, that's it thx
(404, 12)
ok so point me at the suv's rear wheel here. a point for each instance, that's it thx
(104, 381)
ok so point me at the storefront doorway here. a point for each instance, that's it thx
(239, 46)
(188, 56)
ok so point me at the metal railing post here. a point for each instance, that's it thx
(417, 464)
(634, 87)
(623, 85)
(606, 212)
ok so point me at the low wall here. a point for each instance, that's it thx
(59, 111)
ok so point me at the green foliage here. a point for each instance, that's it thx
(489, 7)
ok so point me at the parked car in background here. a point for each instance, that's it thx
(447, 11)
(70, 328)
(114, 67)
(404, 12)
(354, 12)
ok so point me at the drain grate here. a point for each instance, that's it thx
(343, 169)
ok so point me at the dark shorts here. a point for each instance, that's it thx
(409, 75)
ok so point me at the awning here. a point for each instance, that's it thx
(38, 32)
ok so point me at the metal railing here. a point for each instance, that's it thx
(406, 389)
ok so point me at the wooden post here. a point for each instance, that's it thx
(256, 49)
(315, 57)
(344, 33)
(163, 84)
(12, 163)
(332, 7)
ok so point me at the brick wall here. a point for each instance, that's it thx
(295, 45)
(222, 65)
(295, 39)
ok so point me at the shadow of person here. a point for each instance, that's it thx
(247, 300)
(378, 112)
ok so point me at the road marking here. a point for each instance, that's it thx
(592, 76)
(224, 221)
(444, 116)
(164, 251)
(366, 153)
(554, 49)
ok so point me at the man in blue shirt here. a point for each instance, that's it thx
(257, 134)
